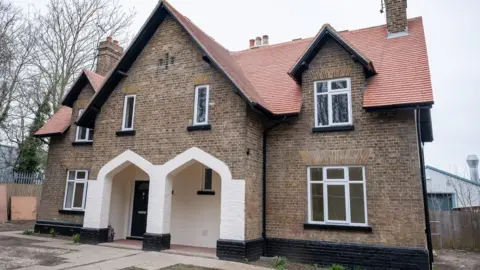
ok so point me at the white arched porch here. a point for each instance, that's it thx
(97, 209)
(232, 202)
(231, 218)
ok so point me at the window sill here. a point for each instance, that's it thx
(72, 212)
(199, 127)
(205, 192)
(124, 133)
(334, 128)
(333, 227)
(82, 143)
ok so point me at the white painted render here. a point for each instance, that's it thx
(102, 194)
(121, 201)
(195, 219)
(466, 194)
(99, 191)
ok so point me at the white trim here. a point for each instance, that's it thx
(130, 209)
(195, 107)
(97, 207)
(329, 95)
(346, 182)
(75, 181)
(125, 103)
(77, 139)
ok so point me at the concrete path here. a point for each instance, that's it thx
(75, 256)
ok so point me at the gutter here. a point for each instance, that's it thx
(424, 187)
(264, 180)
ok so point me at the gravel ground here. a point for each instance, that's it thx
(456, 259)
(18, 252)
(17, 225)
(176, 267)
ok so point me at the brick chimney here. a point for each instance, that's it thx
(396, 11)
(109, 52)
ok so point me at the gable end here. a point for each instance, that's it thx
(328, 32)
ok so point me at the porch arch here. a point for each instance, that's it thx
(99, 191)
(232, 206)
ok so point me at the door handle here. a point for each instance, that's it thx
(142, 212)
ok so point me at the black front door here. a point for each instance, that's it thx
(140, 205)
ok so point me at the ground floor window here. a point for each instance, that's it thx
(337, 195)
(75, 190)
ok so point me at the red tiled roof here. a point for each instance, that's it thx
(261, 74)
(95, 79)
(401, 63)
(220, 56)
(62, 119)
(59, 122)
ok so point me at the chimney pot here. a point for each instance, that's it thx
(109, 38)
(472, 161)
(252, 43)
(258, 41)
(265, 39)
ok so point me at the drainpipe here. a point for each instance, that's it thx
(424, 188)
(264, 182)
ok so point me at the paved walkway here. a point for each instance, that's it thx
(75, 256)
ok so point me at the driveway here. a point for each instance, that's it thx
(19, 251)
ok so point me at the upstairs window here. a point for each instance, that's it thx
(337, 195)
(76, 190)
(128, 112)
(333, 103)
(83, 134)
(200, 116)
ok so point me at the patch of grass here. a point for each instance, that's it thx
(76, 238)
(279, 263)
(27, 232)
(336, 267)
(52, 232)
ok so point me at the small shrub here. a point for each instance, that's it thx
(52, 232)
(336, 267)
(76, 238)
(27, 232)
(279, 263)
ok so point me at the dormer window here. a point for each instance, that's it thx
(200, 116)
(128, 112)
(83, 134)
(333, 103)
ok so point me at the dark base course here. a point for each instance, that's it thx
(93, 236)
(60, 227)
(156, 242)
(349, 254)
(241, 251)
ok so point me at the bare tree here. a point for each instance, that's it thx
(70, 33)
(17, 45)
(467, 194)
(39, 57)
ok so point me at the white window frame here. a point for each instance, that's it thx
(195, 121)
(75, 181)
(124, 118)
(340, 182)
(77, 136)
(329, 95)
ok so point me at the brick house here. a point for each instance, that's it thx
(310, 149)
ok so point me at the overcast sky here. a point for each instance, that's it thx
(451, 29)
